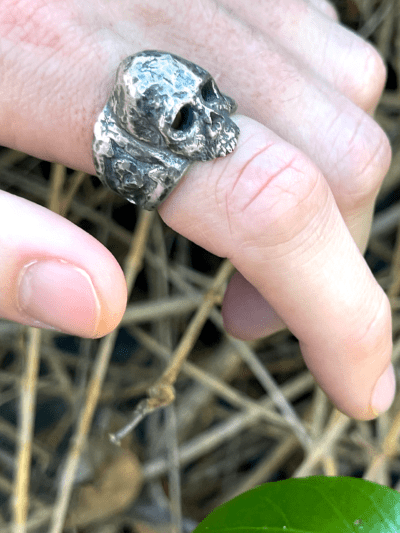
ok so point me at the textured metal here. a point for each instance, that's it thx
(164, 113)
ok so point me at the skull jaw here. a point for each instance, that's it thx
(207, 145)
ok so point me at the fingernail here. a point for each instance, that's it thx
(384, 391)
(59, 295)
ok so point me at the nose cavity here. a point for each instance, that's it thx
(210, 116)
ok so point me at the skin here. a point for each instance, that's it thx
(291, 207)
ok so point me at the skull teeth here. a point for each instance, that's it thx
(231, 146)
(228, 148)
(224, 150)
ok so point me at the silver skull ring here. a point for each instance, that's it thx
(163, 114)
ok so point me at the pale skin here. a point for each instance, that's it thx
(291, 207)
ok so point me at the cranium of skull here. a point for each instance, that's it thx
(166, 101)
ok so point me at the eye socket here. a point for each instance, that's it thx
(208, 91)
(184, 119)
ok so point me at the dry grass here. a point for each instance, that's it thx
(244, 413)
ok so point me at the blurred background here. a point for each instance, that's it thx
(224, 433)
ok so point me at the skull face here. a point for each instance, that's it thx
(167, 101)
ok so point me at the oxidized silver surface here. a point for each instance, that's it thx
(164, 113)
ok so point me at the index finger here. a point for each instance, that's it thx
(269, 209)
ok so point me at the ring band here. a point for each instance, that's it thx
(164, 113)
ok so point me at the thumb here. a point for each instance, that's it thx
(55, 275)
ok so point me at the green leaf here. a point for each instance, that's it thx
(313, 504)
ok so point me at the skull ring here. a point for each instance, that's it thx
(164, 113)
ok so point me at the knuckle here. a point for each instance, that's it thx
(368, 154)
(373, 77)
(376, 71)
(271, 188)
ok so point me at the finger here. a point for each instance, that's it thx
(328, 49)
(268, 209)
(247, 315)
(54, 275)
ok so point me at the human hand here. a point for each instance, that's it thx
(291, 206)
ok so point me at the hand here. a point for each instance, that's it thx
(291, 206)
